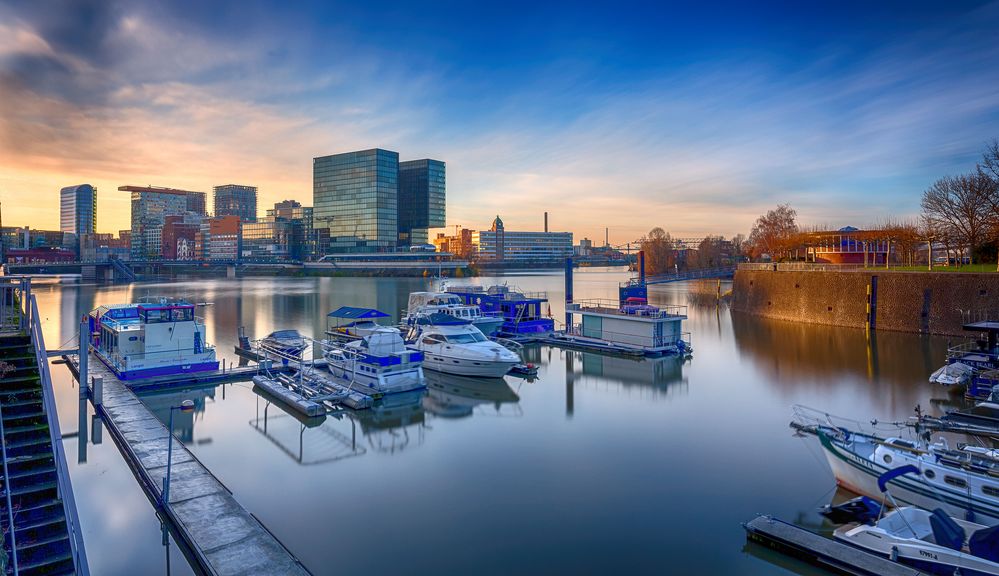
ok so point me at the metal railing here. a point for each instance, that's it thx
(626, 339)
(10, 507)
(605, 306)
(802, 267)
(65, 486)
(972, 348)
(14, 293)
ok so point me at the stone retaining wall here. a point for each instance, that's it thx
(929, 302)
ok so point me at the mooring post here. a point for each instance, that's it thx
(84, 356)
(568, 295)
(97, 394)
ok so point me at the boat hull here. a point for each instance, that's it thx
(860, 475)
(155, 371)
(466, 367)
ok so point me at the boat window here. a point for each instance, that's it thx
(181, 315)
(929, 474)
(959, 482)
(887, 458)
(990, 491)
(466, 338)
(433, 339)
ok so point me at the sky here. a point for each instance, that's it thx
(615, 115)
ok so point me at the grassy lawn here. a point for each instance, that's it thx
(937, 268)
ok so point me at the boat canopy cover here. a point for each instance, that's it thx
(984, 543)
(984, 326)
(441, 319)
(356, 313)
(946, 532)
(890, 475)
(285, 334)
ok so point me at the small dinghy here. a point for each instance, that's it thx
(953, 374)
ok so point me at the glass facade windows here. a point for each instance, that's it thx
(236, 200)
(422, 194)
(355, 199)
(150, 207)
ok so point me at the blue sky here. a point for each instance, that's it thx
(625, 115)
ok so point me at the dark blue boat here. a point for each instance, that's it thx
(525, 314)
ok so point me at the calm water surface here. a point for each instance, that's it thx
(600, 465)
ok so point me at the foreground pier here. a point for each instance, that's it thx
(221, 536)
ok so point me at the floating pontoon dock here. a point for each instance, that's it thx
(222, 536)
(821, 551)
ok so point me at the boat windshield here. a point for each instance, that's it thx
(466, 338)
(286, 334)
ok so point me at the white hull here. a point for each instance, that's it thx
(861, 476)
(465, 367)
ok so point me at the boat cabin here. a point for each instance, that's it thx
(150, 339)
(523, 312)
(638, 326)
(350, 323)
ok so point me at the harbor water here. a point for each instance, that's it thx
(600, 465)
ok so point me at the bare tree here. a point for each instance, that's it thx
(660, 251)
(964, 206)
(989, 168)
(774, 233)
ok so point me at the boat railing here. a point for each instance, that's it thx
(14, 294)
(120, 361)
(605, 306)
(972, 347)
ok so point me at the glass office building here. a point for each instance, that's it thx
(421, 202)
(78, 209)
(355, 198)
(236, 200)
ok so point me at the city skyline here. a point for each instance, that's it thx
(847, 112)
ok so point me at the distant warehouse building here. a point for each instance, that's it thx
(499, 244)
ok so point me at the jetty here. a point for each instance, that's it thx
(221, 536)
(827, 553)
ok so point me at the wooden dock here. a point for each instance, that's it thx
(223, 537)
(821, 551)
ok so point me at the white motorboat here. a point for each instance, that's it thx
(963, 481)
(932, 541)
(378, 363)
(425, 303)
(454, 346)
(289, 343)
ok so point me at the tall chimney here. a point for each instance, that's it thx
(606, 236)
(546, 222)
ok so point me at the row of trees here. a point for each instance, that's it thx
(963, 210)
(664, 254)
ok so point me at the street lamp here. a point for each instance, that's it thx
(187, 406)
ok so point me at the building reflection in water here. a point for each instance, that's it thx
(794, 357)
(452, 396)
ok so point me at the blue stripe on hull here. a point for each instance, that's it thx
(161, 371)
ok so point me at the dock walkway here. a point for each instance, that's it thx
(821, 551)
(223, 536)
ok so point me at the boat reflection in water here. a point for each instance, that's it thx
(660, 376)
(159, 403)
(453, 396)
(394, 423)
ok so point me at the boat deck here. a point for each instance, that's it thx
(824, 552)
(224, 537)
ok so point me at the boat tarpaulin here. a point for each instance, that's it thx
(984, 543)
(890, 475)
(352, 313)
(946, 532)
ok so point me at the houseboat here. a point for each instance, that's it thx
(634, 328)
(150, 339)
(973, 363)
(523, 313)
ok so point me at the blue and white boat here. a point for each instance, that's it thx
(376, 364)
(930, 541)
(964, 481)
(522, 312)
(148, 339)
